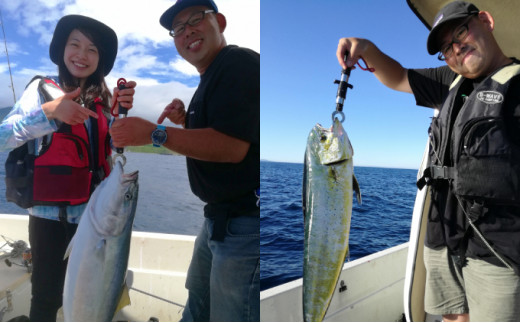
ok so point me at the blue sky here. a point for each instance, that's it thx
(298, 66)
(146, 52)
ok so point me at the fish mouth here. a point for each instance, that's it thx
(337, 162)
(131, 177)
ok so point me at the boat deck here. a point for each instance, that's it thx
(157, 269)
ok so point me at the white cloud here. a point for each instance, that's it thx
(4, 68)
(243, 22)
(181, 65)
(6, 94)
(13, 49)
(150, 100)
(132, 20)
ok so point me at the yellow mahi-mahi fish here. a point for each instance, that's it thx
(328, 187)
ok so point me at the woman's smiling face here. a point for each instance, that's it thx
(81, 56)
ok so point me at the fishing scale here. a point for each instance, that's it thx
(343, 85)
(122, 112)
(342, 91)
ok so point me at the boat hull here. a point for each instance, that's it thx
(374, 292)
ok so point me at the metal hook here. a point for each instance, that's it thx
(123, 159)
(340, 113)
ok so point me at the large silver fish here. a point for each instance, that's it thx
(328, 186)
(98, 252)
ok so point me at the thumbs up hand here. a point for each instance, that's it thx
(67, 110)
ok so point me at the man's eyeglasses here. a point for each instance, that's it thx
(193, 21)
(459, 35)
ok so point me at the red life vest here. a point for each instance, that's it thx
(68, 167)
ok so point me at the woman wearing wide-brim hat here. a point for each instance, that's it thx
(59, 120)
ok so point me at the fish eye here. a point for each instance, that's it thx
(128, 196)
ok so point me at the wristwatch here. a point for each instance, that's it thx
(159, 136)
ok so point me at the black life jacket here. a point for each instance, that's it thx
(68, 167)
(479, 159)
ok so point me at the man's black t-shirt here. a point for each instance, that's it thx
(228, 100)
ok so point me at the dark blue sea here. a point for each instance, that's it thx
(382, 221)
(166, 203)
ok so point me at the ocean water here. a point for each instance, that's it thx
(166, 203)
(382, 221)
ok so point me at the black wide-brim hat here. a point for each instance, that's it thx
(104, 38)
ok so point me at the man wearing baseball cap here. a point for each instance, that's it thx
(472, 245)
(221, 140)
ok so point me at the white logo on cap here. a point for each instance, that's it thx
(438, 20)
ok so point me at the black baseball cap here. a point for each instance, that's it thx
(452, 11)
(104, 36)
(168, 16)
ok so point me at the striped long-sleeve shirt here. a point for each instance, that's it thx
(27, 122)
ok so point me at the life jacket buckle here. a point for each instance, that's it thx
(440, 172)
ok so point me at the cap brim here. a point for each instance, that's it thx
(433, 42)
(167, 17)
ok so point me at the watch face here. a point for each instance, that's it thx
(159, 136)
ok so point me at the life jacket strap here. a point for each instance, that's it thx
(473, 215)
(62, 215)
(435, 173)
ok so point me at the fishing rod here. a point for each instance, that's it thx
(7, 54)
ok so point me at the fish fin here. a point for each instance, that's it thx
(99, 251)
(124, 298)
(101, 243)
(69, 248)
(355, 185)
(304, 186)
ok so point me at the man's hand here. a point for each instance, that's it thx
(356, 47)
(387, 70)
(175, 112)
(131, 131)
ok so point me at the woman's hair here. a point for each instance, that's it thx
(95, 85)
